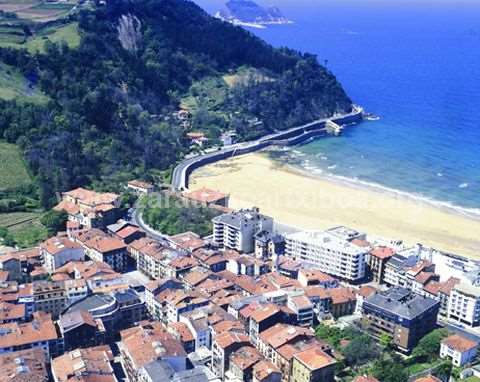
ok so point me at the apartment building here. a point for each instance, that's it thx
(377, 262)
(464, 304)
(59, 250)
(93, 364)
(313, 365)
(403, 315)
(40, 333)
(89, 208)
(24, 365)
(328, 252)
(223, 346)
(237, 230)
(50, 297)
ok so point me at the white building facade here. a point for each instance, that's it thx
(329, 253)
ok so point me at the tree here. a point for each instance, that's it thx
(389, 371)
(360, 350)
(54, 221)
(385, 341)
(429, 346)
(6, 237)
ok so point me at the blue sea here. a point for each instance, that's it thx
(415, 64)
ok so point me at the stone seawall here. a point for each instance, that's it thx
(293, 136)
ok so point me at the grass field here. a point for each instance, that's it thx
(68, 33)
(12, 171)
(37, 10)
(25, 227)
(13, 85)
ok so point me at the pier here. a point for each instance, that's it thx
(289, 137)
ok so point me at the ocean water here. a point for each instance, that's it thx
(415, 64)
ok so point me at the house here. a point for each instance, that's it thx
(265, 371)
(241, 363)
(59, 250)
(187, 241)
(197, 138)
(309, 277)
(312, 365)
(263, 318)
(206, 197)
(11, 264)
(140, 187)
(459, 349)
(93, 364)
(24, 365)
(149, 341)
(223, 346)
(269, 245)
(88, 208)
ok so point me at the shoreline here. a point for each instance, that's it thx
(470, 213)
(298, 198)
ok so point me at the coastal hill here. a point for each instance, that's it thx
(105, 108)
(249, 12)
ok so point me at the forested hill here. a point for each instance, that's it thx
(111, 100)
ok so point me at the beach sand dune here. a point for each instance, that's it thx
(307, 202)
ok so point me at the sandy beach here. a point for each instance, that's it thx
(308, 202)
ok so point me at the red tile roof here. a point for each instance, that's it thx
(205, 195)
(459, 343)
(315, 359)
(382, 253)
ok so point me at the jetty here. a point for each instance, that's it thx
(289, 137)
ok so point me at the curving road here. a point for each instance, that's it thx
(183, 170)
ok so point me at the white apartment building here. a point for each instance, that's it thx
(464, 304)
(59, 250)
(237, 230)
(331, 254)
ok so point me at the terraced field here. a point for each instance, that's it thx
(13, 172)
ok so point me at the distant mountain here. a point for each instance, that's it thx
(250, 13)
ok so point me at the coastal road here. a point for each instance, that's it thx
(182, 171)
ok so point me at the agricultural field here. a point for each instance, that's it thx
(13, 171)
(13, 85)
(24, 228)
(67, 33)
(37, 10)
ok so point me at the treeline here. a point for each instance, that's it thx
(111, 100)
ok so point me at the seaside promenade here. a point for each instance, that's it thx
(292, 136)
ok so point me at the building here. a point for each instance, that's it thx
(237, 230)
(313, 365)
(312, 277)
(223, 346)
(241, 364)
(59, 250)
(263, 318)
(12, 312)
(12, 265)
(117, 310)
(302, 307)
(148, 342)
(40, 333)
(187, 241)
(464, 304)
(328, 252)
(269, 245)
(89, 208)
(24, 366)
(403, 315)
(50, 297)
(377, 262)
(459, 349)
(90, 364)
(80, 329)
(140, 187)
(107, 249)
(206, 197)
(265, 371)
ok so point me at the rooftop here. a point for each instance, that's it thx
(402, 302)
(238, 218)
(314, 358)
(459, 343)
(205, 195)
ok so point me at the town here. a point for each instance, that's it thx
(110, 299)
